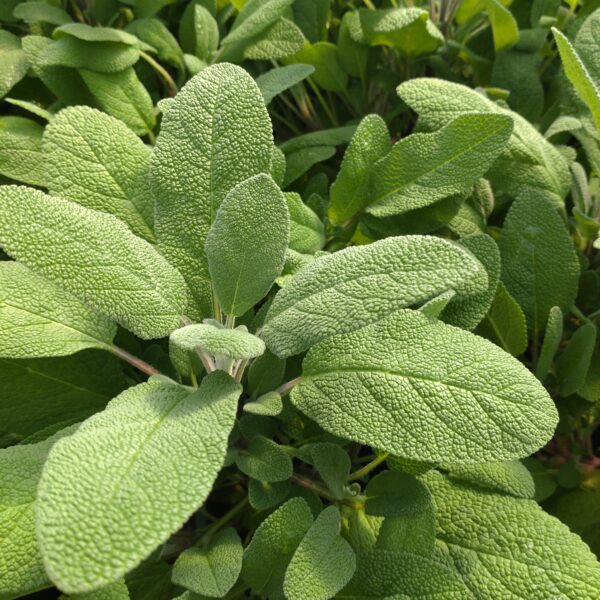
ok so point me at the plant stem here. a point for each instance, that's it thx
(138, 363)
(363, 471)
(171, 85)
(225, 518)
(369, 4)
(286, 387)
(580, 315)
(216, 307)
(313, 486)
(322, 102)
(230, 321)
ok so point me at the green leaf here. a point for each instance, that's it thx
(135, 445)
(94, 256)
(333, 465)
(265, 460)
(480, 530)
(539, 264)
(22, 570)
(307, 232)
(468, 312)
(123, 96)
(263, 494)
(198, 30)
(406, 29)
(95, 160)
(265, 374)
(433, 308)
(352, 54)
(574, 362)
(272, 546)
(359, 285)
(413, 387)
(505, 324)
(311, 16)
(14, 62)
(278, 165)
(508, 477)
(426, 167)
(41, 12)
(323, 563)
(211, 570)
(251, 228)
(504, 26)
(279, 41)
(39, 319)
(324, 137)
(82, 31)
(113, 591)
(414, 533)
(349, 193)
(395, 494)
(527, 161)
(300, 161)
(325, 58)
(268, 404)
(21, 150)
(274, 82)
(578, 75)
(215, 134)
(232, 343)
(552, 339)
(42, 393)
(156, 34)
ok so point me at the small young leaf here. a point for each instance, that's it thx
(307, 232)
(212, 570)
(215, 134)
(264, 494)
(265, 460)
(333, 465)
(274, 82)
(504, 26)
(573, 364)
(298, 162)
(232, 343)
(37, 318)
(265, 373)
(539, 264)
(95, 160)
(269, 405)
(359, 285)
(395, 494)
(134, 446)
(94, 256)
(552, 339)
(272, 546)
(433, 308)
(426, 167)
(505, 324)
(384, 395)
(349, 192)
(279, 41)
(251, 229)
(323, 563)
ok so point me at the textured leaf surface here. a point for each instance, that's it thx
(37, 318)
(574, 362)
(323, 563)
(281, 40)
(95, 160)
(42, 392)
(552, 339)
(41, 12)
(21, 150)
(307, 232)
(265, 460)
(426, 167)
(349, 192)
(530, 159)
(215, 134)
(211, 571)
(246, 244)
(359, 285)
(333, 465)
(233, 343)
(96, 524)
(539, 264)
(395, 494)
(95, 256)
(509, 548)
(21, 568)
(272, 546)
(414, 388)
(275, 81)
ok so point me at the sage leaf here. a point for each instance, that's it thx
(539, 264)
(415, 389)
(212, 570)
(95, 160)
(574, 362)
(479, 528)
(251, 229)
(349, 192)
(552, 339)
(268, 405)
(264, 494)
(325, 58)
(358, 285)
(323, 563)
(333, 465)
(426, 167)
(395, 494)
(40, 12)
(272, 546)
(282, 39)
(22, 570)
(215, 134)
(274, 82)
(142, 437)
(307, 232)
(95, 256)
(21, 150)
(38, 319)
(265, 460)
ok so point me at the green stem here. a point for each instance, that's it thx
(364, 471)
(322, 102)
(313, 486)
(171, 85)
(230, 514)
(138, 363)
(286, 388)
(580, 315)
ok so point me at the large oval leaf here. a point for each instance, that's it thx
(130, 477)
(426, 391)
(359, 285)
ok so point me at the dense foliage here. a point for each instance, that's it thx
(299, 299)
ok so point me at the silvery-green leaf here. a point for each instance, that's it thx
(21, 150)
(274, 82)
(552, 339)
(307, 232)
